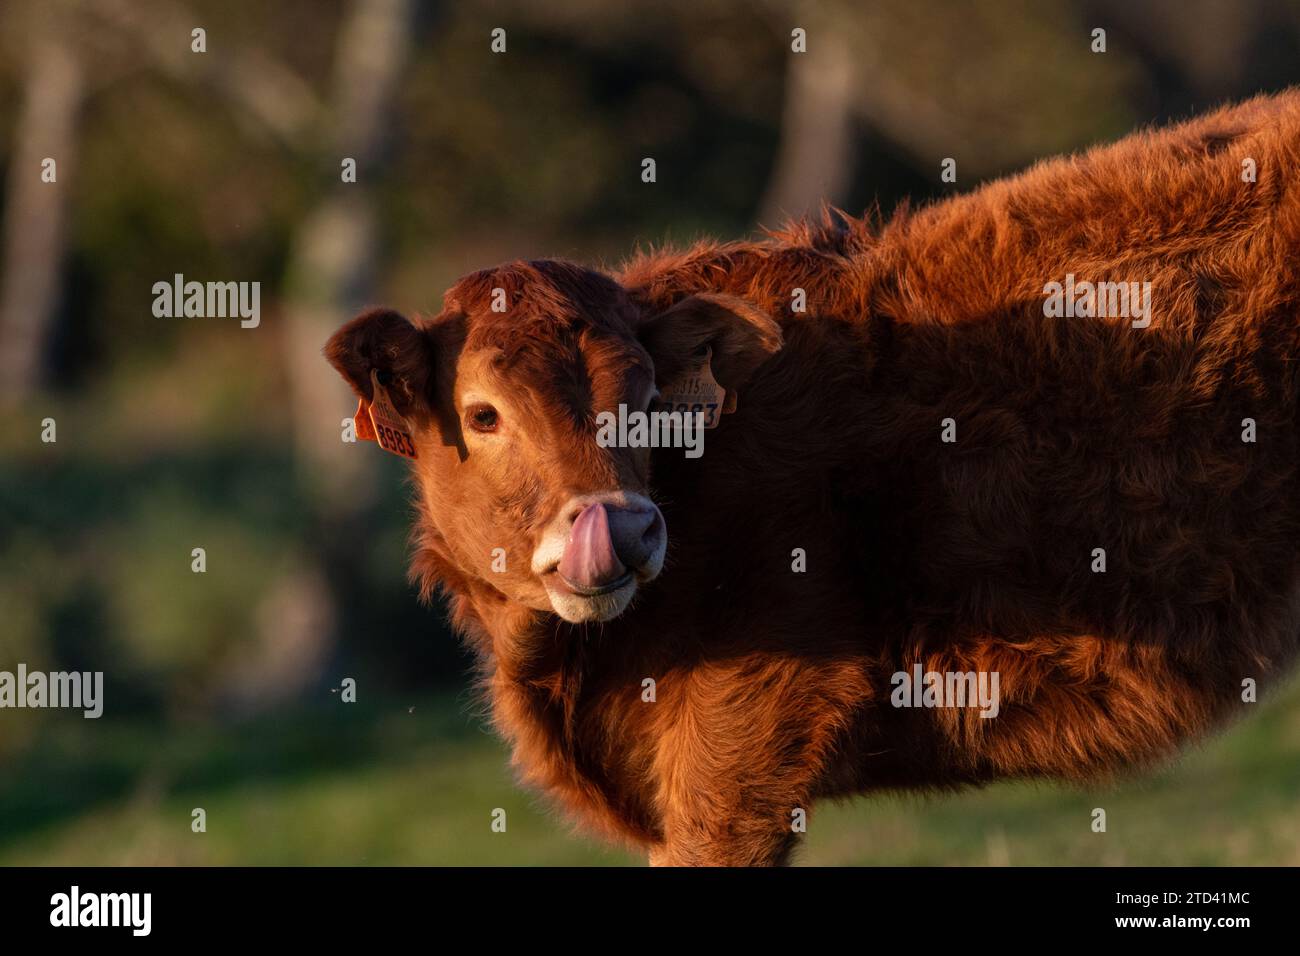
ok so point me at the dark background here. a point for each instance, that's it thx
(222, 687)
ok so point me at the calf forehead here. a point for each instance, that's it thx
(554, 388)
(557, 342)
(539, 298)
(567, 378)
(549, 323)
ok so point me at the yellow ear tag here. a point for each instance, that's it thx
(392, 431)
(696, 390)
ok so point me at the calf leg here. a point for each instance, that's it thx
(759, 834)
(742, 748)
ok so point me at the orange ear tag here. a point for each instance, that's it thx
(696, 390)
(386, 425)
(365, 427)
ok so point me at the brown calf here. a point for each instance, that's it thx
(938, 463)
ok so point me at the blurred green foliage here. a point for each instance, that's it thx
(415, 780)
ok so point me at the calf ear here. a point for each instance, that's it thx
(740, 335)
(385, 342)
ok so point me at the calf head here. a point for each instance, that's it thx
(501, 392)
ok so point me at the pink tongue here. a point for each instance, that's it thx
(589, 560)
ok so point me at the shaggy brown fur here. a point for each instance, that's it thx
(773, 687)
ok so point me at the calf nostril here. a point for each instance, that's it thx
(636, 520)
(636, 533)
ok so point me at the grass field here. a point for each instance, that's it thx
(416, 782)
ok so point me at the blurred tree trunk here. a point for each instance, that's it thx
(36, 213)
(330, 276)
(331, 265)
(267, 98)
(814, 160)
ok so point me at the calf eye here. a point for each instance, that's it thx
(482, 418)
